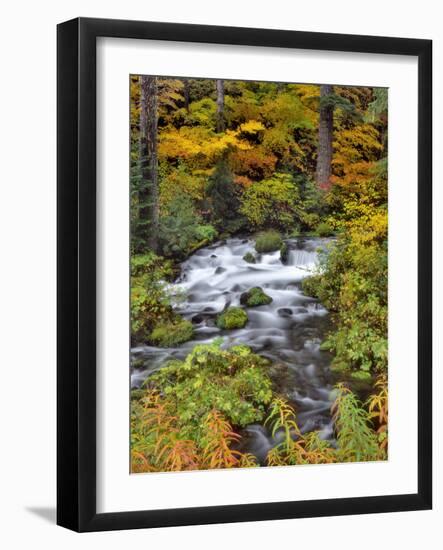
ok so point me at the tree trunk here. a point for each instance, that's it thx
(325, 134)
(149, 195)
(186, 93)
(220, 121)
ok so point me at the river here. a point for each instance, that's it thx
(288, 331)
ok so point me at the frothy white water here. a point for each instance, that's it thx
(288, 330)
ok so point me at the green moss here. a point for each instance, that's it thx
(233, 317)
(361, 375)
(249, 257)
(255, 297)
(170, 334)
(268, 241)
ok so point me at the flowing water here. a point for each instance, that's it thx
(288, 331)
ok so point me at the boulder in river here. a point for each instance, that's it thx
(198, 318)
(268, 241)
(249, 258)
(284, 253)
(232, 317)
(167, 335)
(255, 297)
(284, 312)
(138, 363)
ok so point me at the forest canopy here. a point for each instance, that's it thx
(247, 155)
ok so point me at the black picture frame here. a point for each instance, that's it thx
(76, 266)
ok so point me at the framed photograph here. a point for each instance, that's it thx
(244, 274)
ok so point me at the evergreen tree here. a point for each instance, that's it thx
(224, 202)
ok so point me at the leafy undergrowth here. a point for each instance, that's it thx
(184, 420)
(360, 432)
(153, 319)
(151, 303)
(353, 283)
(188, 417)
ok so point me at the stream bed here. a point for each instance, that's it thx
(288, 331)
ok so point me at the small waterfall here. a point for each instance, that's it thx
(303, 258)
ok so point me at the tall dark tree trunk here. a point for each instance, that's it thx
(220, 121)
(325, 134)
(186, 93)
(149, 194)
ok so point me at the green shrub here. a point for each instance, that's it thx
(323, 229)
(357, 441)
(249, 258)
(272, 202)
(206, 232)
(182, 229)
(187, 417)
(171, 334)
(255, 297)
(268, 241)
(151, 265)
(233, 317)
(309, 221)
(151, 301)
(294, 232)
(148, 307)
(236, 225)
(311, 286)
(233, 381)
(352, 284)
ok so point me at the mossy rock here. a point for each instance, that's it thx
(249, 258)
(233, 317)
(138, 363)
(255, 297)
(268, 241)
(284, 253)
(167, 335)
